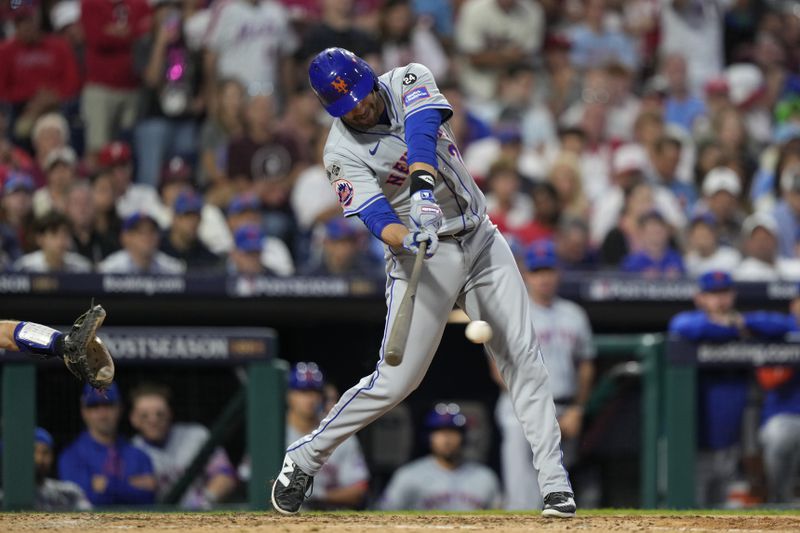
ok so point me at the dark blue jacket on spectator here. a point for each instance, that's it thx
(104, 472)
(641, 262)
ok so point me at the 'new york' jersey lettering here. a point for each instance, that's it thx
(362, 174)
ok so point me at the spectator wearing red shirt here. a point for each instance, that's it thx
(38, 72)
(110, 96)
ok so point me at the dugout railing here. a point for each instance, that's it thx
(261, 397)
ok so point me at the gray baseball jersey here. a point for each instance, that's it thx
(566, 339)
(473, 268)
(425, 485)
(171, 460)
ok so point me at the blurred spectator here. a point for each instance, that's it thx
(116, 158)
(762, 262)
(65, 19)
(311, 198)
(301, 121)
(721, 191)
(546, 214)
(563, 79)
(110, 96)
(267, 162)
(54, 240)
(787, 212)
(38, 71)
(597, 43)
(519, 101)
(106, 222)
(50, 132)
(624, 238)
(629, 165)
(693, 29)
(343, 481)
(440, 15)
(443, 480)
(681, 107)
(565, 336)
(181, 240)
(731, 134)
(250, 41)
(16, 216)
(52, 495)
(774, 160)
(213, 232)
(709, 157)
(704, 252)
(170, 96)
(223, 125)
(337, 28)
(245, 258)
(747, 91)
(508, 207)
(82, 213)
(572, 247)
(665, 162)
(245, 210)
(405, 39)
(59, 170)
(140, 254)
(343, 251)
(492, 35)
(655, 257)
(565, 176)
(106, 466)
(467, 127)
(173, 446)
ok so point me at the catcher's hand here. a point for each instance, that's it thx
(84, 354)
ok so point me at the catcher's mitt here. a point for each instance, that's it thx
(84, 354)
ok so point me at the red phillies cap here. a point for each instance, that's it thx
(114, 153)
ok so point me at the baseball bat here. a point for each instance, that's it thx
(396, 345)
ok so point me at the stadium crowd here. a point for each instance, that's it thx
(166, 136)
(659, 137)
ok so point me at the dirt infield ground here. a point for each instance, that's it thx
(250, 522)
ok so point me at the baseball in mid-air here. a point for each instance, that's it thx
(478, 331)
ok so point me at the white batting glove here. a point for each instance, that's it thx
(414, 238)
(425, 212)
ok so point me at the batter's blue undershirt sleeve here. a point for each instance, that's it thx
(378, 215)
(422, 129)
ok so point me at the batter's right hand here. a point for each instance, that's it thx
(413, 239)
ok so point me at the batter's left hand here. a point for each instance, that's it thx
(425, 212)
(414, 238)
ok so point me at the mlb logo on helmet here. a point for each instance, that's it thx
(344, 190)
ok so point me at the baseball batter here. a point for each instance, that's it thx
(391, 158)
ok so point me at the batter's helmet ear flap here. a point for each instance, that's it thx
(340, 79)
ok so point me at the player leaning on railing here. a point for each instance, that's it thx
(84, 354)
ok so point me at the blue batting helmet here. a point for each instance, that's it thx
(306, 376)
(445, 416)
(340, 80)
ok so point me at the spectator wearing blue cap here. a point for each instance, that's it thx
(54, 255)
(246, 210)
(16, 218)
(343, 251)
(182, 241)
(140, 254)
(722, 392)
(704, 251)
(656, 257)
(565, 338)
(52, 495)
(245, 258)
(106, 466)
(443, 480)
